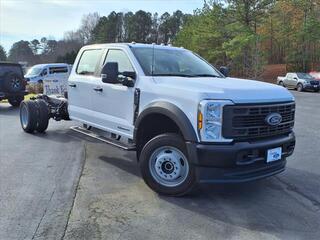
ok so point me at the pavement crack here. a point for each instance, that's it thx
(292, 188)
(43, 215)
(84, 157)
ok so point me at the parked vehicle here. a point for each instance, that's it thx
(37, 73)
(187, 122)
(12, 83)
(299, 81)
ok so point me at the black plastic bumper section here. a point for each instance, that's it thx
(239, 161)
(311, 87)
(4, 95)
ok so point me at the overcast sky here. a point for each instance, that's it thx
(30, 19)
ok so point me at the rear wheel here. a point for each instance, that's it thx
(43, 116)
(28, 116)
(299, 87)
(281, 84)
(165, 166)
(15, 101)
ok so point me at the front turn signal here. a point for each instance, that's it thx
(200, 119)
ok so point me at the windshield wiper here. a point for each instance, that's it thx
(85, 73)
(171, 74)
(206, 75)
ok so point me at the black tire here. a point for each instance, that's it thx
(13, 82)
(28, 116)
(43, 116)
(15, 101)
(316, 90)
(151, 147)
(299, 87)
(281, 84)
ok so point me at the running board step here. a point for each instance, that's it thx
(103, 139)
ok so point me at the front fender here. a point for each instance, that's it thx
(174, 113)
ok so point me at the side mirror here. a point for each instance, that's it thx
(295, 78)
(224, 71)
(131, 75)
(110, 72)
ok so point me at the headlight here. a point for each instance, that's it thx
(210, 120)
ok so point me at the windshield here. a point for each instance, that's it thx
(34, 71)
(169, 62)
(304, 76)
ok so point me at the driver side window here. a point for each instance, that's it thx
(119, 56)
(44, 72)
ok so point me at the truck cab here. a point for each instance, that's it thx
(188, 122)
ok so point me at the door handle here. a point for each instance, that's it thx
(72, 85)
(98, 89)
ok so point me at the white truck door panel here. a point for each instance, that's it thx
(81, 84)
(114, 106)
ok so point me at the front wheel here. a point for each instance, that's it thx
(165, 166)
(300, 87)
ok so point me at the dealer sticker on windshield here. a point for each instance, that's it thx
(274, 154)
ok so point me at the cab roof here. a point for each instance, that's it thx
(51, 65)
(132, 45)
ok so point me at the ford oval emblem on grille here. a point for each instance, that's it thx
(273, 119)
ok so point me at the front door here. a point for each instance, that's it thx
(113, 103)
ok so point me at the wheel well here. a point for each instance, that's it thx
(153, 125)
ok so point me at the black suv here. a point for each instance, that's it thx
(12, 83)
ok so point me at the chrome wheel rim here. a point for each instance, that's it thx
(168, 166)
(24, 116)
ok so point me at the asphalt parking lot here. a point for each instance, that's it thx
(62, 185)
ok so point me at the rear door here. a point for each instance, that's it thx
(288, 80)
(81, 83)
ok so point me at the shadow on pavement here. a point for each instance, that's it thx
(269, 205)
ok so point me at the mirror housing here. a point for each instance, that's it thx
(224, 71)
(110, 72)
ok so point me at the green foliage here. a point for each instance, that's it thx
(21, 52)
(247, 34)
(3, 55)
(69, 57)
(142, 27)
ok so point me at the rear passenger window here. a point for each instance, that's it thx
(53, 70)
(121, 58)
(88, 61)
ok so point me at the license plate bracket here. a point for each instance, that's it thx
(274, 154)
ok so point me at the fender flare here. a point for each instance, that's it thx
(174, 113)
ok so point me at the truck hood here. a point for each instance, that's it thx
(235, 89)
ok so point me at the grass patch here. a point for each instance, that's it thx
(27, 97)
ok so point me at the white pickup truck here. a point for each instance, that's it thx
(187, 121)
